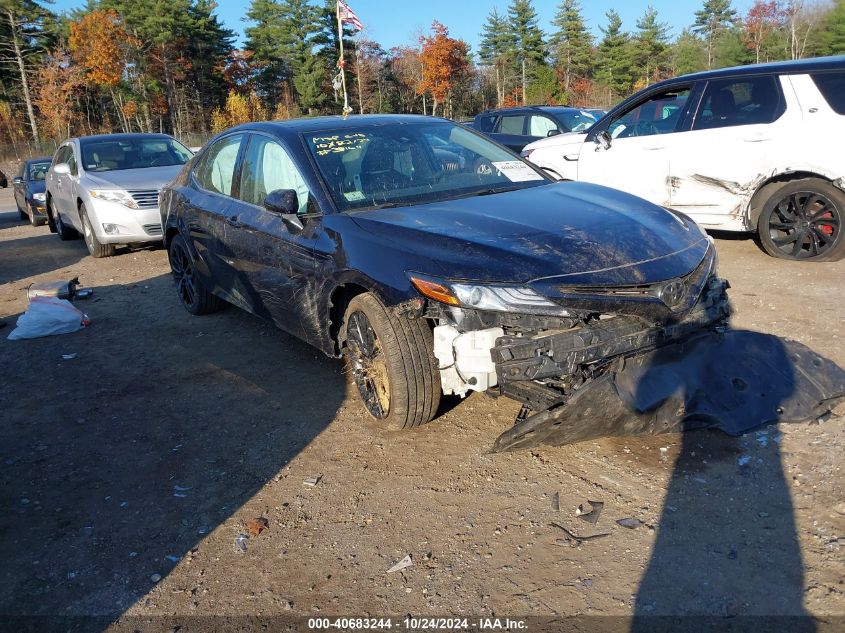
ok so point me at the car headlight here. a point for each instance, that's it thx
(41, 197)
(115, 195)
(490, 297)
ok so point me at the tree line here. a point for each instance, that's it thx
(172, 66)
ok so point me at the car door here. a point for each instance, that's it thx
(19, 187)
(641, 136)
(509, 130)
(739, 131)
(277, 258)
(211, 222)
(61, 185)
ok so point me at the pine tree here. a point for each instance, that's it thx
(497, 49)
(688, 54)
(613, 64)
(712, 21)
(651, 45)
(831, 40)
(529, 46)
(308, 83)
(572, 43)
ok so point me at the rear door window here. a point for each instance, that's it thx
(832, 87)
(513, 124)
(740, 101)
(486, 123)
(216, 172)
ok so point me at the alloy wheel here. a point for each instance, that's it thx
(369, 365)
(804, 225)
(184, 275)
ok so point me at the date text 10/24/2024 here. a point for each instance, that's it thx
(418, 624)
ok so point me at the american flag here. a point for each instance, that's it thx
(347, 16)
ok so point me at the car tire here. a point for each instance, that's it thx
(194, 297)
(95, 247)
(34, 220)
(51, 222)
(392, 362)
(64, 232)
(803, 220)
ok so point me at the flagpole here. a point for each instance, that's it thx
(342, 62)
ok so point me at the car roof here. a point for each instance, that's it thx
(40, 159)
(528, 108)
(796, 66)
(95, 138)
(331, 123)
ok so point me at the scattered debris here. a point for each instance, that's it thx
(664, 453)
(579, 539)
(240, 543)
(182, 488)
(591, 516)
(69, 356)
(556, 502)
(402, 564)
(587, 582)
(257, 525)
(743, 460)
(46, 316)
(173, 558)
(631, 524)
(313, 480)
(155, 577)
(60, 289)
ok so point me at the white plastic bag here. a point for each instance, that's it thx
(46, 316)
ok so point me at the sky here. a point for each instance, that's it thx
(395, 23)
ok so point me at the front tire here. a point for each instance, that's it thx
(192, 294)
(95, 247)
(802, 220)
(392, 361)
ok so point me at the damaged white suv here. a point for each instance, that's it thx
(751, 148)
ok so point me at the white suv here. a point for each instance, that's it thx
(751, 148)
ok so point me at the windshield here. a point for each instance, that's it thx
(395, 165)
(576, 120)
(133, 153)
(37, 171)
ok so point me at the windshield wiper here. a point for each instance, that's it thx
(492, 190)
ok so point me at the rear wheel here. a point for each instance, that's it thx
(802, 220)
(192, 294)
(392, 363)
(95, 247)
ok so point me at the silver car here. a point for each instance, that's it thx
(106, 188)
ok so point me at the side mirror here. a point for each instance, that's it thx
(552, 133)
(285, 204)
(61, 169)
(603, 140)
(17, 180)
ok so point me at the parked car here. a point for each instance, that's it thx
(750, 148)
(358, 237)
(517, 127)
(598, 113)
(29, 187)
(106, 187)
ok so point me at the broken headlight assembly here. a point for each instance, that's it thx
(486, 297)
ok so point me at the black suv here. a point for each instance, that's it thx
(517, 127)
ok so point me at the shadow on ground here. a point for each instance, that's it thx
(727, 554)
(116, 463)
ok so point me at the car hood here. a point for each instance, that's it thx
(146, 178)
(582, 233)
(570, 139)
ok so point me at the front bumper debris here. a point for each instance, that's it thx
(733, 381)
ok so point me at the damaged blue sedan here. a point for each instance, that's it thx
(437, 262)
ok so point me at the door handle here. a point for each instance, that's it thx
(234, 221)
(756, 139)
(654, 147)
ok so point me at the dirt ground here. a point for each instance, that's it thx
(129, 470)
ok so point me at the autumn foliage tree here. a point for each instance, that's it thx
(443, 59)
(58, 81)
(761, 22)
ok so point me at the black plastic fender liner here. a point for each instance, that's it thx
(734, 381)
